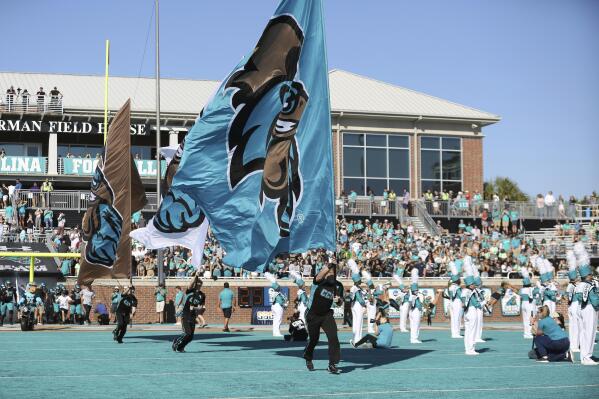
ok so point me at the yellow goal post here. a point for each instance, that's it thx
(33, 255)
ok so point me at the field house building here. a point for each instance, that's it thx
(384, 136)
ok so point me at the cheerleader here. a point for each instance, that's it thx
(279, 303)
(302, 296)
(529, 310)
(471, 308)
(415, 300)
(573, 303)
(588, 297)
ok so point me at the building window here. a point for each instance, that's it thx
(374, 162)
(441, 163)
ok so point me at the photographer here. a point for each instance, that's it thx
(551, 341)
(383, 334)
(297, 329)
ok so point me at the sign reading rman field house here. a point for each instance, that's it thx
(19, 125)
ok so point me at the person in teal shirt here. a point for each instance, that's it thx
(65, 267)
(179, 295)
(160, 295)
(9, 213)
(226, 301)
(551, 341)
(382, 337)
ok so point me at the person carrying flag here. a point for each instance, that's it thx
(194, 298)
(125, 309)
(326, 291)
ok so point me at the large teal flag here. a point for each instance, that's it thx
(258, 161)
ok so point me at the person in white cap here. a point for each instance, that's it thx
(278, 305)
(588, 296)
(529, 309)
(302, 296)
(573, 303)
(454, 294)
(358, 297)
(471, 306)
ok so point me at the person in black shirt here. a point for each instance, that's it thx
(326, 290)
(297, 329)
(194, 298)
(125, 309)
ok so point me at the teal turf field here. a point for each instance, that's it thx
(68, 364)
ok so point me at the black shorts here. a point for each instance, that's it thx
(496, 296)
(227, 313)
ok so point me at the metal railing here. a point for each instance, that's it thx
(371, 207)
(421, 213)
(68, 200)
(525, 210)
(31, 104)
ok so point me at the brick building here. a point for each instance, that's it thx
(384, 136)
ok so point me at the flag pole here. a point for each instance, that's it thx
(106, 90)
(158, 174)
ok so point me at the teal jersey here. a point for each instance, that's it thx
(383, 340)
(226, 298)
(359, 297)
(115, 298)
(551, 329)
(160, 295)
(470, 298)
(8, 212)
(514, 215)
(506, 244)
(179, 298)
(65, 267)
(228, 273)
(280, 299)
(526, 294)
(549, 295)
(303, 298)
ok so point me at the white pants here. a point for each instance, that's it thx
(357, 312)
(574, 325)
(550, 304)
(470, 328)
(277, 316)
(371, 314)
(301, 308)
(479, 325)
(455, 313)
(415, 316)
(403, 316)
(527, 313)
(588, 330)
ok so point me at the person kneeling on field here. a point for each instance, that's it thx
(383, 334)
(551, 341)
(297, 329)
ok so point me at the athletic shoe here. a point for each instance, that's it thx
(403, 330)
(333, 369)
(570, 357)
(472, 353)
(310, 365)
(120, 341)
(543, 360)
(588, 362)
(528, 337)
(181, 350)
(226, 330)
(457, 336)
(351, 342)
(480, 341)
(416, 342)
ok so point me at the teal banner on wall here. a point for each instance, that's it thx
(23, 165)
(86, 167)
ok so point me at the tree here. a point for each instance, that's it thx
(505, 189)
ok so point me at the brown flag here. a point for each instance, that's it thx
(116, 193)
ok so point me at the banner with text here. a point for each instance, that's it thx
(87, 166)
(12, 266)
(23, 165)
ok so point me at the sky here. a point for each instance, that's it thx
(533, 62)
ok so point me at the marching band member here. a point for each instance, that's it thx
(588, 297)
(279, 303)
(370, 301)
(549, 290)
(471, 307)
(404, 301)
(416, 300)
(302, 297)
(529, 309)
(454, 294)
(358, 301)
(573, 304)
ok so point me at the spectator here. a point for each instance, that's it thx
(87, 297)
(160, 296)
(549, 205)
(41, 96)
(47, 188)
(226, 302)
